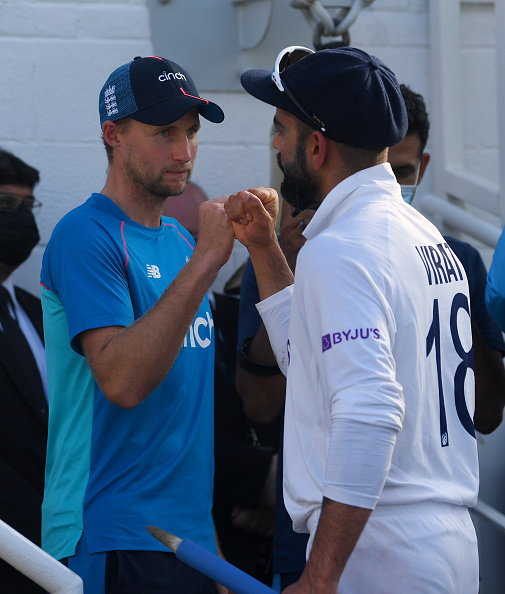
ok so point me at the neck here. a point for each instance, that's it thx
(141, 211)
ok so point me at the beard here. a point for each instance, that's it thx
(154, 185)
(300, 187)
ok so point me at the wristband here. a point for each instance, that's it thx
(251, 366)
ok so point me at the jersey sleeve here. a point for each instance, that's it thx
(352, 330)
(275, 312)
(84, 268)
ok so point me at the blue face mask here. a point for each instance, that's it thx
(409, 191)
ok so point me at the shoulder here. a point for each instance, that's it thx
(468, 255)
(84, 230)
(460, 247)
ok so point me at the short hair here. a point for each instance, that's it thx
(124, 123)
(13, 171)
(303, 131)
(354, 158)
(419, 122)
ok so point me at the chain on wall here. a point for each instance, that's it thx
(336, 26)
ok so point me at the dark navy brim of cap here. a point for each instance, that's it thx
(169, 111)
(259, 84)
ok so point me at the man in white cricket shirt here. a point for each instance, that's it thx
(374, 336)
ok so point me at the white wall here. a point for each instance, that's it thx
(56, 56)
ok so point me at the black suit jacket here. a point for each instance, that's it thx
(23, 434)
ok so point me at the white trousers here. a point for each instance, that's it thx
(426, 548)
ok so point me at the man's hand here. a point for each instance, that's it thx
(291, 235)
(257, 520)
(215, 235)
(338, 531)
(253, 213)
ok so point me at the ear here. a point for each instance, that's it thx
(317, 148)
(111, 133)
(425, 159)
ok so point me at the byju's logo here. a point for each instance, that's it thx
(153, 271)
(328, 340)
(171, 76)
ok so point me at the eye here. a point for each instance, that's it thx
(192, 132)
(163, 133)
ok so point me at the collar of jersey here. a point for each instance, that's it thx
(339, 200)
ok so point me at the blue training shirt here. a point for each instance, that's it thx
(110, 471)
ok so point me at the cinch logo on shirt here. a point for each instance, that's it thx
(199, 335)
(153, 271)
(200, 332)
(329, 340)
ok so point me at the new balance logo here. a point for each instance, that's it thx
(153, 271)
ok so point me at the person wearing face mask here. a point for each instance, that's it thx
(23, 383)
(409, 160)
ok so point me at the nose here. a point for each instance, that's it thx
(182, 150)
(276, 142)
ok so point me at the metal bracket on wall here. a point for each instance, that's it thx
(254, 20)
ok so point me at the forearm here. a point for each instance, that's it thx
(262, 395)
(272, 271)
(134, 360)
(337, 533)
(253, 214)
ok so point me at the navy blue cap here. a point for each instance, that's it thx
(154, 91)
(353, 95)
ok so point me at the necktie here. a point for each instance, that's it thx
(17, 343)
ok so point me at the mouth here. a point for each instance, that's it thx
(178, 175)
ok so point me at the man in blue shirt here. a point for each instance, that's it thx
(130, 346)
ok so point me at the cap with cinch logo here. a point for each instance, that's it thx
(154, 91)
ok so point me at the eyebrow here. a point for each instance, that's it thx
(278, 124)
(404, 169)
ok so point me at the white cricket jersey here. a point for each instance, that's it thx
(377, 336)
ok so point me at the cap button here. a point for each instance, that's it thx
(374, 64)
(137, 58)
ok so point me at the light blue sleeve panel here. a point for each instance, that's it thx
(71, 422)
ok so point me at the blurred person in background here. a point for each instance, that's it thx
(23, 378)
(409, 161)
